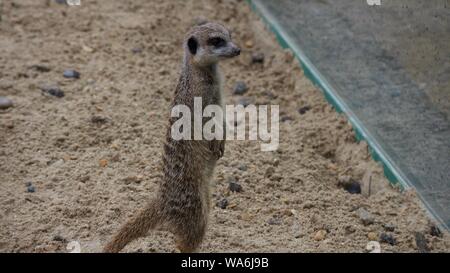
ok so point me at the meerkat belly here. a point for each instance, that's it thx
(207, 183)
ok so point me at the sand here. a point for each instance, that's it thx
(93, 156)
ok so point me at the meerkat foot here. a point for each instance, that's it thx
(186, 247)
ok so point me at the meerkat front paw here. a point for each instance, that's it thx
(218, 148)
(221, 148)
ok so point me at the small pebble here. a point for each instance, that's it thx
(243, 167)
(5, 103)
(373, 247)
(249, 44)
(136, 50)
(99, 120)
(274, 221)
(354, 187)
(365, 216)
(235, 187)
(71, 74)
(320, 235)
(276, 162)
(349, 230)
(85, 178)
(372, 236)
(59, 238)
(286, 118)
(115, 158)
(421, 242)
(304, 109)
(269, 172)
(388, 239)
(223, 204)
(103, 163)
(240, 88)
(308, 205)
(245, 216)
(40, 68)
(258, 57)
(53, 91)
(87, 49)
(31, 189)
(133, 179)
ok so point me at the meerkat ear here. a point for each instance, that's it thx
(192, 45)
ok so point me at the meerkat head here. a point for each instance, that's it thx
(208, 43)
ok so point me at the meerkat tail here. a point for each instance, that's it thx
(137, 227)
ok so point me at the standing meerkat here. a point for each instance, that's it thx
(183, 201)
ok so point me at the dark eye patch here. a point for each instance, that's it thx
(216, 42)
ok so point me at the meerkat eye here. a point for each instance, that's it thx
(216, 42)
(192, 45)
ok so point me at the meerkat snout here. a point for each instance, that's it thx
(210, 43)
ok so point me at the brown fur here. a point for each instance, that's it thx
(183, 200)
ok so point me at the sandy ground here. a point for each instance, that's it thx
(93, 156)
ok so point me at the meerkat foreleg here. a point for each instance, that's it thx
(217, 147)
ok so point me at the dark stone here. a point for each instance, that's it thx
(240, 88)
(223, 204)
(388, 239)
(258, 57)
(354, 187)
(31, 189)
(235, 187)
(59, 238)
(71, 74)
(53, 91)
(304, 109)
(5, 103)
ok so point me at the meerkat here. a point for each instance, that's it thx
(182, 203)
